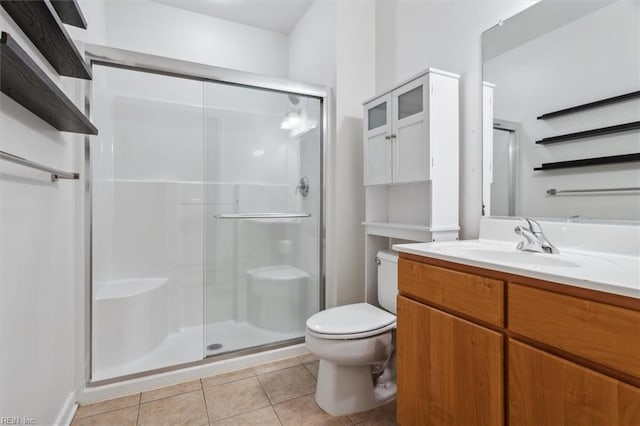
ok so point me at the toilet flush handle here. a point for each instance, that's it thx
(378, 261)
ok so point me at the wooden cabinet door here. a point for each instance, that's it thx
(377, 141)
(548, 390)
(450, 371)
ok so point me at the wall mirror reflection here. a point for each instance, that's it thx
(561, 111)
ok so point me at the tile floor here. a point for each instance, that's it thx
(277, 393)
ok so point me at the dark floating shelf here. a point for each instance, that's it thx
(24, 82)
(626, 127)
(69, 13)
(590, 105)
(614, 159)
(40, 22)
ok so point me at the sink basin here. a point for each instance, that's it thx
(507, 254)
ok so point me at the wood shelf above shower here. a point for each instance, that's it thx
(596, 161)
(619, 128)
(40, 22)
(24, 82)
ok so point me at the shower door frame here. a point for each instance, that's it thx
(136, 61)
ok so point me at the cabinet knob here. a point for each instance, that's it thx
(392, 136)
(387, 137)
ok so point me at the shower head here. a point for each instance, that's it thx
(294, 99)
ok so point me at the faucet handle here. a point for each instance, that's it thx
(534, 226)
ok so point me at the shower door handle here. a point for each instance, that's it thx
(261, 215)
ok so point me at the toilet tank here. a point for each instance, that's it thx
(387, 279)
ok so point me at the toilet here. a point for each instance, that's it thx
(355, 345)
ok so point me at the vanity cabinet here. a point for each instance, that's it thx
(508, 349)
(441, 359)
(547, 390)
(412, 130)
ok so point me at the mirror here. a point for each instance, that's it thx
(561, 111)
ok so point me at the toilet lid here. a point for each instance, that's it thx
(350, 319)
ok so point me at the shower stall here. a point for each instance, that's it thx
(205, 215)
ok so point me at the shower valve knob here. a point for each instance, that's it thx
(303, 186)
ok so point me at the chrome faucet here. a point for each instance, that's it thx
(535, 240)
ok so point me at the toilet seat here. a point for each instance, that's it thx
(355, 321)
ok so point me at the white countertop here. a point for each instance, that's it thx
(610, 272)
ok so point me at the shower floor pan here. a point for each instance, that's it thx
(187, 346)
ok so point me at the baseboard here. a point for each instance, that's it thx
(67, 411)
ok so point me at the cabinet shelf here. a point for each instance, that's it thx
(405, 231)
(591, 105)
(619, 128)
(40, 22)
(23, 81)
(69, 12)
(596, 161)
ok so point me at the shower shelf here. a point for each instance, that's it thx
(626, 127)
(596, 161)
(23, 81)
(40, 22)
(69, 13)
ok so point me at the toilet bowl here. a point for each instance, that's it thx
(355, 345)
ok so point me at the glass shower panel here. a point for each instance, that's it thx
(147, 225)
(262, 153)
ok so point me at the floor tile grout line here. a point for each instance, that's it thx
(171, 396)
(138, 413)
(277, 369)
(224, 383)
(246, 412)
(273, 407)
(309, 370)
(295, 397)
(265, 392)
(204, 397)
(104, 412)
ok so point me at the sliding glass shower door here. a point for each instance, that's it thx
(206, 219)
(262, 216)
(147, 222)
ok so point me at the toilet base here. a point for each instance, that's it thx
(349, 389)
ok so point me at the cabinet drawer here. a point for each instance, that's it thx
(602, 333)
(473, 295)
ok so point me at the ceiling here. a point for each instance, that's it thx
(273, 15)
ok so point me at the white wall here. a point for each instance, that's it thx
(37, 298)
(355, 80)
(334, 45)
(591, 58)
(168, 31)
(312, 46)
(411, 36)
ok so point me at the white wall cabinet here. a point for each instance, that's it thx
(410, 128)
(411, 163)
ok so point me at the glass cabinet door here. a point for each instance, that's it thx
(377, 149)
(410, 144)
